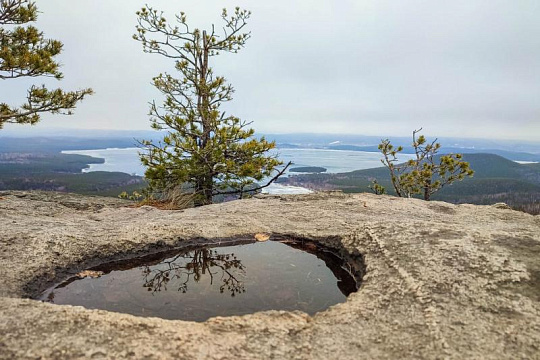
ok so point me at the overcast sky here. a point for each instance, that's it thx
(458, 68)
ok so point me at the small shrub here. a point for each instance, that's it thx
(134, 196)
(427, 173)
(377, 188)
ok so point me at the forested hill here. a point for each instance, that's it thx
(496, 179)
(36, 163)
(62, 172)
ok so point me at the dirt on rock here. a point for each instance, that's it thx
(442, 281)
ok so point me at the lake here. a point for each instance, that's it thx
(335, 161)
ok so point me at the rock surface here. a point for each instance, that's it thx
(442, 281)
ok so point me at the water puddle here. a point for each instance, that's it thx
(201, 282)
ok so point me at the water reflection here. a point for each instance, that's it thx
(192, 266)
(219, 280)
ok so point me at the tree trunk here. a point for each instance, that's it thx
(204, 188)
(208, 190)
(205, 184)
(427, 190)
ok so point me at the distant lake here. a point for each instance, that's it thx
(335, 161)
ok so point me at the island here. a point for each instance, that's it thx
(308, 169)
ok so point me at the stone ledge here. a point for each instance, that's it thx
(443, 281)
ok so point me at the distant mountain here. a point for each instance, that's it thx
(54, 140)
(510, 155)
(58, 144)
(40, 132)
(351, 141)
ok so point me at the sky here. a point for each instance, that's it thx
(461, 68)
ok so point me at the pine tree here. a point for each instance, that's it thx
(424, 174)
(211, 152)
(25, 52)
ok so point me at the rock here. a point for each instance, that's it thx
(442, 281)
(501, 206)
(89, 273)
(262, 237)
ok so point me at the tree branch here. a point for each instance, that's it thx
(257, 188)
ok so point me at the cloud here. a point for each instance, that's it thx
(461, 68)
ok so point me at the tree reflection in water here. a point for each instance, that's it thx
(192, 266)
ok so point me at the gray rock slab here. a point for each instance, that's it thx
(442, 281)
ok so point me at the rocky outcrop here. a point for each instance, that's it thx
(442, 281)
